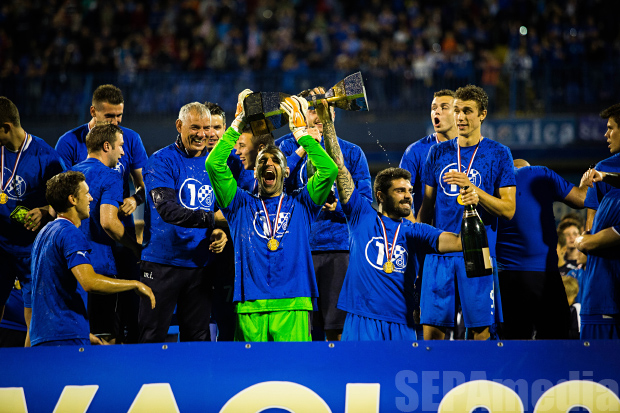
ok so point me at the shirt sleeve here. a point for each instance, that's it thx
(224, 184)
(64, 152)
(561, 187)
(326, 170)
(113, 189)
(138, 153)
(360, 173)
(355, 208)
(408, 163)
(425, 236)
(75, 247)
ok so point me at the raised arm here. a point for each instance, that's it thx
(321, 182)
(224, 184)
(344, 180)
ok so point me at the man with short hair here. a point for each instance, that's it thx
(442, 116)
(103, 228)
(27, 163)
(468, 164)
(274, 280)
(571, 230)
(533, 296)
(62, 270)
(329, 237)
(108, 106)
(612, 164)
(179, 232)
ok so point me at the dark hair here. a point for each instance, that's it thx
(9, 112)
(275, 151)
(573, 216)
(267, 140)
(107, 93)
(567, 224)
(443, 92)
(612, 112)
(59, 188)
(384, 179)
(216, 109)
(100, 134)
(475, 93)
(561, 239)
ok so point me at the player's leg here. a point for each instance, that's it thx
(252, 327)
(165, 282)
(22, 265)
(330, 269)
(552, 321)
(437, 304)
(477, 300)
(223, 309)
(600, 327)
(289, 325)
(521, 300)
(194, 305)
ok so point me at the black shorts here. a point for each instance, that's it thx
(330, 268)
(534, 304)
(189, 289)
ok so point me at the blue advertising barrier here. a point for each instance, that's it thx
(353, 377)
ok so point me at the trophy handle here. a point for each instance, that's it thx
(264, 115)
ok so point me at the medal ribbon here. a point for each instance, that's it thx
(471, 161)
(273, 228)
(388, 252)
(19, 155)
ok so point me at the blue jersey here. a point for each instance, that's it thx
(528, 241)
(329, 231)
(492, 169)
(38, 163)
(106, 187)
(595, 194)
(72, 149)
(13, 318)
(413, 161)
(601, 281)
(369, 291)
(260, 273)
(58, 309)
(169, 244)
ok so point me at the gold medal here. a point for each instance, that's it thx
(272, 244)
(3, 198)
(388, 267)
(459, 199)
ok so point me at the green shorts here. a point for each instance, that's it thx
(286, 325)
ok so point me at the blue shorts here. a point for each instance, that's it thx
(600, 327)
(68, 342)
(480, 298)
(359, 328)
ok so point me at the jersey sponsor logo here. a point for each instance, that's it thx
(262, 229)
(453, 190)
(375, 255)
(17, 188)
(193, 194)
(82, 253)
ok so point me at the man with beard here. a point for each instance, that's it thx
(274, 280)
(179, 234)
(378, 291)
(442, 116)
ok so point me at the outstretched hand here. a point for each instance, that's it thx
(218, 241)
(296, 109)
(239, 123)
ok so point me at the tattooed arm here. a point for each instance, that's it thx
(344, 181)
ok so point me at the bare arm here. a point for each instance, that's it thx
(604, 239)
(344, 180)
(590, 213)
(116, 230)
(501, 204)
(427, 210)
(577, 195)
(131, 203)
(449, 242)
(100, 284)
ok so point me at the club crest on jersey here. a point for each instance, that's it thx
(262, 229)
(193, 194)
(120, 168)
(453, 190)
(376, 257)
(17, 188)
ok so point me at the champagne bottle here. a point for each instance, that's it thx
(475, 244)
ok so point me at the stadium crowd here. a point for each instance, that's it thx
(545, 52)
